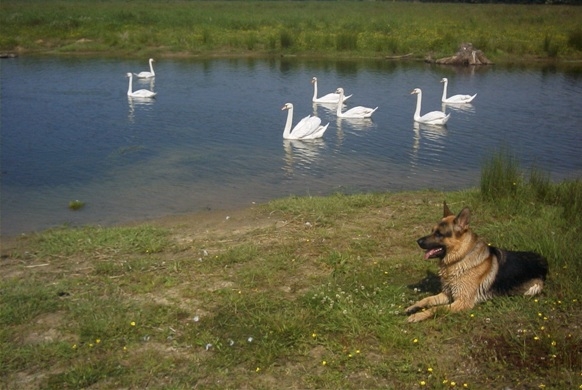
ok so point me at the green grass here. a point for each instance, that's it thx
(303, 292)
(327, 29)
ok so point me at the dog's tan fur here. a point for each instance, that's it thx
(470, 270)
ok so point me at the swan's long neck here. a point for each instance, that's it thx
(445, 90)
(339, 104)
(314, 90)
(418, 104)
(152, 68)
(129, 89)
(287, 130)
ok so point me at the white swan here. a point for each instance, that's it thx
(140, 93)
(307, 128)
(145, 74)
(431, 118)
(330, 98)
(354, 112)
(455, 99)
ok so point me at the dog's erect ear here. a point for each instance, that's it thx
(446, 211)
(462, 220)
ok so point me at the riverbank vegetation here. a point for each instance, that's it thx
(504, 32)
(303, 292)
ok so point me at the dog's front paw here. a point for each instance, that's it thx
(412, 309)
(420, 316)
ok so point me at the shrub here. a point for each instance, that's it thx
(575, 39)
(347, 41)
(549, 47)
(286, 39)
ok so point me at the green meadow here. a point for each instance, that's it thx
(261, 28)
(299, 293)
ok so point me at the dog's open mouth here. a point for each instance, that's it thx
(434, 252)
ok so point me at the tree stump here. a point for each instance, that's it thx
(466, 55)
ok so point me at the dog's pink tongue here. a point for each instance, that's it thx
(429, 253)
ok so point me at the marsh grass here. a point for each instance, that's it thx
(355, 29)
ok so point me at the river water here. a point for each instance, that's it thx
(212, 137)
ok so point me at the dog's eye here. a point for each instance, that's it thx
(438, 234)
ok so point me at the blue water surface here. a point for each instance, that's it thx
(212, 138)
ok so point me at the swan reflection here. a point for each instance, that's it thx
(459, 107)
(434, 135)
(356, 125)
(301, 153)
(151, 83)
(432, 132)
(134, 102)
(329, 108)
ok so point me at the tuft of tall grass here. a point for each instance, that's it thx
(500, 176)
(502, 180)
(570, 198)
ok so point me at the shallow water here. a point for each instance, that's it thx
(212, 138)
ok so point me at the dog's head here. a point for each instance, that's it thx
(446, 234)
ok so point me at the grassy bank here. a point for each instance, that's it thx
(298, 293)
(330, 29)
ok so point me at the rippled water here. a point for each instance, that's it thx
(212, 139)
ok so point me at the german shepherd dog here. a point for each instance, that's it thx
(471, 271)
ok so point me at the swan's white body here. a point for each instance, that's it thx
(330, 98)
(431, 118)
(145, 74)
(455, 99)
(308, 128)
(354, 112)
(140, 93)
